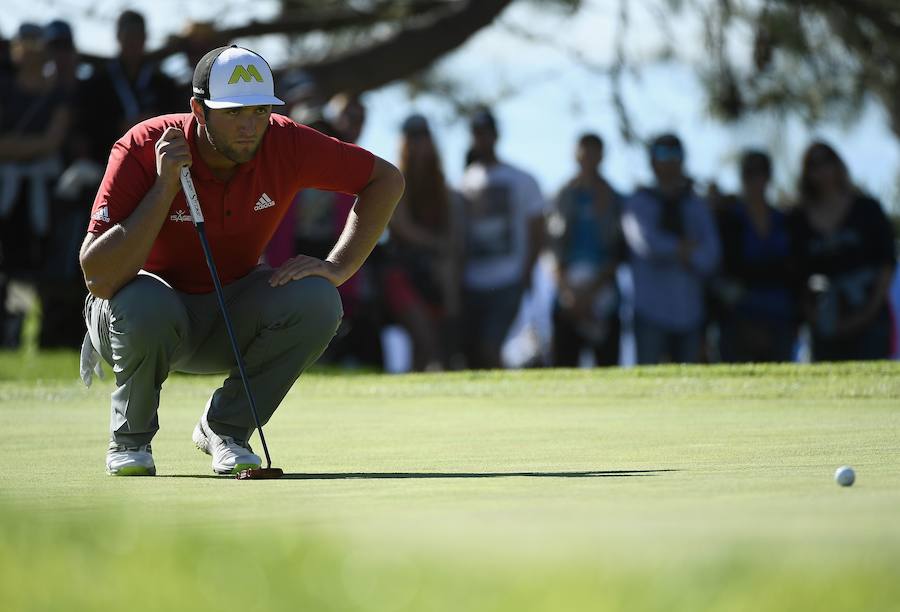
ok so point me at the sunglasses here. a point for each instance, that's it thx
(663, 153)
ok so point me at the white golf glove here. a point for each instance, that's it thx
(90, 362)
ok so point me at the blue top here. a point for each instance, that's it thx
(759, 263)
(666, 291)
(580, 232)
(587, 243)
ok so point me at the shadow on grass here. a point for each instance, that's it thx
(426, 475)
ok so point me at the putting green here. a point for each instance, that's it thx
(671, 488)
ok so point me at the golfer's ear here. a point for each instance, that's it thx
(198, 111)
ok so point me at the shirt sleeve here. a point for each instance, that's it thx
(880, 235)
(705, 257)
(642, 235)
(124, 185)
(531, 193)
(330, 164)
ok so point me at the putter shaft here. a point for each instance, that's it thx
(190, 192)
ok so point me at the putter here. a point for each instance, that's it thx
(187, 184)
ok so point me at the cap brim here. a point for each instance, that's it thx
(236, 101)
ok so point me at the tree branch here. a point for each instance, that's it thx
(409, 51)
(884, 15)
(331, 20)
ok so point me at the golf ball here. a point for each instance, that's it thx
(845, 476)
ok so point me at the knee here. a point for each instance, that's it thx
(316, 303)
(148, 311)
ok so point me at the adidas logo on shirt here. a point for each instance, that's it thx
(264, 202)
(102, 214)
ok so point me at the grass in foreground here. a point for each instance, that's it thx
(648, 489)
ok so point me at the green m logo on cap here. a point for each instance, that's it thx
(245, 74)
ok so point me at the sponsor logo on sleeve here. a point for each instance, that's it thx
(102, 214)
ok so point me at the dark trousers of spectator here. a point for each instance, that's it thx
(487, 316)
(61, 285)
(358, 339)
(21, 255)
(357, 343)
(656, 343)
(756, 340)
(10, 324)
(872, 342)
(569, 341)
(23, 251)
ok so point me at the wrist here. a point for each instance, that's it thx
(168, 186)
(337, 274)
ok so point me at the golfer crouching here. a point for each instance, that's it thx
(152, 308)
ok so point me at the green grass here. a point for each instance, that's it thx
(468, 492)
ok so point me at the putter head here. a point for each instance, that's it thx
(268, 473)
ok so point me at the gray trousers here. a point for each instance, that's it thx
(148, 329)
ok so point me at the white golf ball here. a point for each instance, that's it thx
(845, 476)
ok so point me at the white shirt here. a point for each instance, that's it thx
(500, 202)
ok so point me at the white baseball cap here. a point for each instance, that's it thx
(228, 77)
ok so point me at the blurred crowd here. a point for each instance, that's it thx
(59, 117)
(688, 274)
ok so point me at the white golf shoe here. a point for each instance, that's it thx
(130, 461)
(229, 456)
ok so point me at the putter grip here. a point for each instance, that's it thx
(190, 194)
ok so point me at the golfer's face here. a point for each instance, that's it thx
(237, 133)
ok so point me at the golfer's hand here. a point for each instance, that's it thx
(172, 152)
(302, 266)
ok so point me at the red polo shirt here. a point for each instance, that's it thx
(241, 214)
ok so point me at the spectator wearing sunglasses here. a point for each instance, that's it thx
(674, 248)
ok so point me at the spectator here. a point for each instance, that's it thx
(129, 88)
(61, 286)
(312, 228)
(62, 58)
(5, 62)
(848, 256)
(33, 121)
(504, 229)
(381, 291)
(348, 115)
(755, 298)
(425, 241)
(197, 38)
(358, 340)
(587, 241)
(674, 248)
